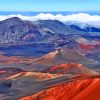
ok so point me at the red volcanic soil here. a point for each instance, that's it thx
(89, 46)
(85, 89)
(71, 68)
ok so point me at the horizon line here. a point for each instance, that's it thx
(54, 11)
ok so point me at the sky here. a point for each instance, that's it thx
(49, 5)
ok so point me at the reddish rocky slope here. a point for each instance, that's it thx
(85, 89)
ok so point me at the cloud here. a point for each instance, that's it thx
(80, 17)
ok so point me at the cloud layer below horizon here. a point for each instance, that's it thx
(80, 17)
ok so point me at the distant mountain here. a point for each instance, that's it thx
(85, 27)
(91, 29)
(14, 30)
(57, 27)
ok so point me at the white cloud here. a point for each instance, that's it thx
(81, 17)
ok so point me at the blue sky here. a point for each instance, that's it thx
(49, 5)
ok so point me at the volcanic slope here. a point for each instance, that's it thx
(15, 82)
(63, 55)
(83, 89)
